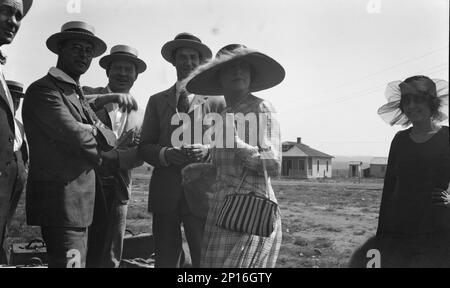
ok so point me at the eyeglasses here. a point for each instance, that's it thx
(79, 50)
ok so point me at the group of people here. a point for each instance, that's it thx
(77, 147)
(83, 143)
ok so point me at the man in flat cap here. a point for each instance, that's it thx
(11, 15)
(67, 142)
(169, 201)
(106, 233)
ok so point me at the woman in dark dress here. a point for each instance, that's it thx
(414, 221)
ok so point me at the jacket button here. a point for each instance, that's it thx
(11, 140)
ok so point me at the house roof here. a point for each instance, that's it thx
(379, 161)
(303, 150)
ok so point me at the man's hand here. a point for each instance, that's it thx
(176, 156)
(196, 152)
(440, 197)
(124, 100)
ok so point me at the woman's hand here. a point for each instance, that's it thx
(440, 197)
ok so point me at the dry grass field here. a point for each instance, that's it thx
(323, 221)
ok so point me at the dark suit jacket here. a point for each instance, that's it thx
(165, 185)
(61, 179)
(128, 157)
(8, 169)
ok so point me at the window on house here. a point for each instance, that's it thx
(317, 165)
(327, 166)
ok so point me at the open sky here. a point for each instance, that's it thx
(338, 54)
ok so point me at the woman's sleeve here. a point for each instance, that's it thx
(268, 148)
(390, 181)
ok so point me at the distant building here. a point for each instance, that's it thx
(378, 167)
(355, 169)
(302, 161)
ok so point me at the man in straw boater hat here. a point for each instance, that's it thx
(11, 15)
(106, 233)
(169, 201)
(67, 142)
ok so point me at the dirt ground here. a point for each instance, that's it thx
(323, 221)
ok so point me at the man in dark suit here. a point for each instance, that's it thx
(106, 233)
(11, 14)
(168, 201)
(67, 142)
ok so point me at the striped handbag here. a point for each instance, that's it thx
(248, 213)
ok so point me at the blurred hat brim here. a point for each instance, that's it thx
(168, 48)
(266, 72)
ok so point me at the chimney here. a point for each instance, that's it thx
(299, 140)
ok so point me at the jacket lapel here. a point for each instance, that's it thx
(171, 97)
(72, 98)
(4, 98)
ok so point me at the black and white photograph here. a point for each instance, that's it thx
(224, 134)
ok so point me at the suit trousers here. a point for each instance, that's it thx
(66, 246)
(168, 239)
(6, 202)
(107, 230)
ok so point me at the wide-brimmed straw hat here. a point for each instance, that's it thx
(266, 72)
(25, 5)
(77, 30)
(16, 88)
(391, 112)
(124, 53)
(185, 40)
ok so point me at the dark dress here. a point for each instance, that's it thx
(413, 231)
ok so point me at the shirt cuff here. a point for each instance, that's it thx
(162, 157)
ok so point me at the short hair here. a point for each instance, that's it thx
(425, 86)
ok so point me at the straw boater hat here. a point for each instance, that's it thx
(23, 5)
(123, 52)
(16, 88)
(265, 71)
(185, 40)
(77, 30)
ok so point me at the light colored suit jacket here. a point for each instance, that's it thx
(128, 156)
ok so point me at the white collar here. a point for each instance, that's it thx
(62, 76)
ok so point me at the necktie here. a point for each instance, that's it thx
(88, 112)
(183, 102)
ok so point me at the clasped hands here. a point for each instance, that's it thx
(186, 154)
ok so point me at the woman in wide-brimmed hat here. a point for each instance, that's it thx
(235, 73)
(414, 221)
